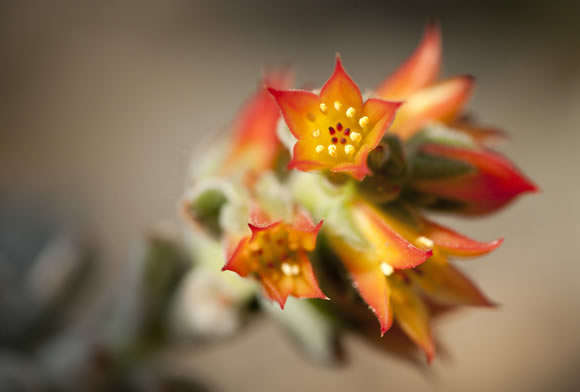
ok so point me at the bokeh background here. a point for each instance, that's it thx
(102, 106)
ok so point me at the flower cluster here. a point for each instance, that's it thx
(323, 195)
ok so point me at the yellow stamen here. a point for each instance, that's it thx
(323, 108)
(319, 148)
(295, 269)
(349, 149)
(355, 136)
(425, 241)
(337, 105)
(350, 112)
(316, 133)
(387, 269)
(363, 122)
(286, 269)
(332, 150)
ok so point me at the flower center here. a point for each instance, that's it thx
(338, 131)
(274, 252)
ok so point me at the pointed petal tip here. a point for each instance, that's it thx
(275, 92)
(385, 326)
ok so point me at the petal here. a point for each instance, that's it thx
(304, 285)
(368, 279)
(340, 87)
(438, 103)
(381, 113)
(446, 285)
(305, 230)
(418, 71)
(254, 129)
(454, 243)
(412, 315)
(296, 105)
(394, 249)
(494, 183)
(237, 260)
(358, 169)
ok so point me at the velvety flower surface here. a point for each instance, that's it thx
(335, 129)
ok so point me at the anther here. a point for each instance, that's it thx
(363, 122)
(332, 150)
(337, 105)
(387, 269)
(339, 126)
(425, 241)
(342, 140)
(323, 108)
(295, 269)
(350, 112)
(319, 148)
(355, 136)
(316, 133)
(346, 131)
(334, 140)
(286, 269)
(331, 130)
(349, 149)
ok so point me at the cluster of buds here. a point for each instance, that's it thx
(323, 195)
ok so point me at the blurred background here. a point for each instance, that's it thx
(102, 106)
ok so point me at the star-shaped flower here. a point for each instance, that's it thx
(335, 129)
(276, 254)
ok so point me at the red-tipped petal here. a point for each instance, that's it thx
(307, 285)
(421, 69)
(381, 113)
(368, 280)
(304, 285)
(395, 250)
(307, 231)
(412, 315)
(236, 259)
(448, 286)
(454, 243)
(495, 183)
(340, 87)
(254, 129)
(437, 103)
(296, 105)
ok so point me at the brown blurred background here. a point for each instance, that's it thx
(101, 106)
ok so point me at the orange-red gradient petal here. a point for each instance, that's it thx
(440, 102)
(495, 182)
(454, 243)
(340, 87)
(421, 69)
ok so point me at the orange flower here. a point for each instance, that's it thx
(407, 262)
(336, 130)
(276, 255)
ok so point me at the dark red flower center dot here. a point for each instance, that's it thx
(334, 140)
(342, 141)
(339, 126)
(346, 131)
(331, 130)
